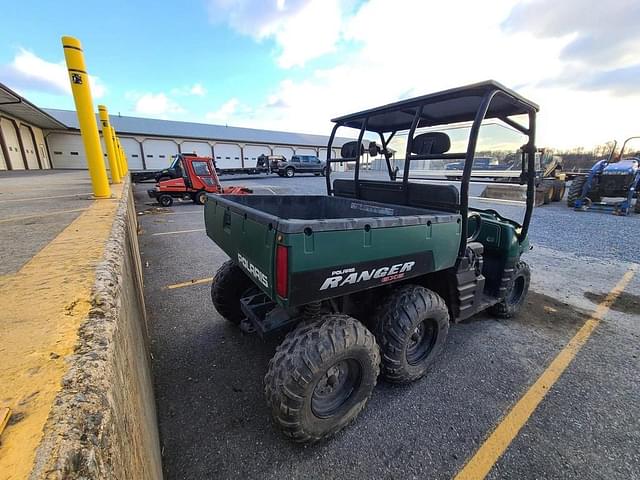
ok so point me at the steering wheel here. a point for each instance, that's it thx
(476, 219)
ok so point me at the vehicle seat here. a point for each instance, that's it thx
(431, 143)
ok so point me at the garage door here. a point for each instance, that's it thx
(252, 152)
(13, 146)
(158, 154)
(42, 148)
(132, 150)
(306, 151)
(202, 149)
(227, 155)
(29, 147)
(67, 150)
(287, 152)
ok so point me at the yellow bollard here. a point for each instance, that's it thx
(116, 144)
(79, 79)
(114, 164)
(125, 161)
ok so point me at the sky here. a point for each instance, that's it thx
(295, 64)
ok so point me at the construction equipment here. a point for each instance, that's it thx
(368, 277)
(617, 177)
(198, 177)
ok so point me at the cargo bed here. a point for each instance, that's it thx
(324, 235)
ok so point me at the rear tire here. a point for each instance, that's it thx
(411, 327)
(321, 377)
(549, 194)
(516, 293)
(200, 197)
(575, 190)
(636, 208)
(229, 285)
(289, 172)
(165, 200)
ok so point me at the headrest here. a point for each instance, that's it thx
(431, 143)
(350, 150)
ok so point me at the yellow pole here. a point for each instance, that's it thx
(112, 133)
(116, 169)
(79, 79)
(124, 156)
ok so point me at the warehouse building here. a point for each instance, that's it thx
(32, 138)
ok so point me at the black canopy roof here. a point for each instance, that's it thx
(449, 106)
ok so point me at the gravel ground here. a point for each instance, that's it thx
(215, 424)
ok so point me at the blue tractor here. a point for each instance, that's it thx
(611, 178)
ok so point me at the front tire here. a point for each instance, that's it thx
(165, 200)
(321, 377)
(516, 293)
(289, 172)
(558, 193)
(229, 285)
(411, 327)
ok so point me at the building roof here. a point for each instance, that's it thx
(19, 107)
(187, 130)
(448, 106)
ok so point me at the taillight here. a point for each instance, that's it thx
(282, 270)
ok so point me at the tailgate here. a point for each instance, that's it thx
(247, 238)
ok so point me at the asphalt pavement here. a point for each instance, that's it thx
(214, 421)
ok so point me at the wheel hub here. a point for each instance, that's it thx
(335, 387)
(421, 341)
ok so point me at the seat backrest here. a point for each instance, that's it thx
(350, 150)
(421, 195)
(431, 143)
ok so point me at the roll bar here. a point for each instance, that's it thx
(528, 151)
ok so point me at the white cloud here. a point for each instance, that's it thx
(406, 48)
(198, 89)
(31, 73)
(232, 108)
(155, 105)
(302, 29)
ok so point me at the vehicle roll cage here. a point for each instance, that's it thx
(495, 101)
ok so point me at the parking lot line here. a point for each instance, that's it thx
(190, 283)
(38, 215)
(179, 231)
(496, 444)
(38, 198)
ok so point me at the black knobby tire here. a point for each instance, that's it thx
(411, 327)
(289, 172)
(575, 190)
(558, 191)
(200, 197)
(229, 285)
(321, 377)
(516, 293)
(636, 208)
(165, 200)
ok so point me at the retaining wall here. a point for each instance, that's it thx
(103, 422)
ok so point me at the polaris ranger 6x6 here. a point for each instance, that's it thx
(368, 277)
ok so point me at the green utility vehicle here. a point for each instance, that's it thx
(368, 277)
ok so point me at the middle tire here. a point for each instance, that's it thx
(321, 377)
(228, 287)
(411, 327)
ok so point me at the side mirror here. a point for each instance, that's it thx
(374, 150)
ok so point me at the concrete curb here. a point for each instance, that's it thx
(103, 422)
